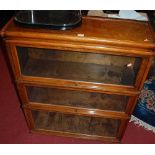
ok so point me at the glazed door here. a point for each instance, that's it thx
(79, 66)
(67, 123)
(59, 97)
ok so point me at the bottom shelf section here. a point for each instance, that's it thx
(55, 121)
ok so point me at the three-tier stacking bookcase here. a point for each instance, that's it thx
(82, 82)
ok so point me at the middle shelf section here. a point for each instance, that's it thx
(76, 98)
(74, 101)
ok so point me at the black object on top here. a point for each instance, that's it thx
(54, 19)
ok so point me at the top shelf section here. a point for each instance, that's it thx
(96, 30)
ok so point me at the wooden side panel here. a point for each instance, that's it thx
(11, 50)
(13, 65)
(144, 76)
(122, 128)
(29, 118)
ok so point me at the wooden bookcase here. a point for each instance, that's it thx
(82, 82)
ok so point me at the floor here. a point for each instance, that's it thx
(13, 129)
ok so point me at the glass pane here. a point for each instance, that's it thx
(55, 121)
(77, 98)
(91, 67)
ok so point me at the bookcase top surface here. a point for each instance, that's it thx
(93, 30)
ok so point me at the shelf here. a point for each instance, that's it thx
(89, 67)
(91, 100)
(55, 121)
